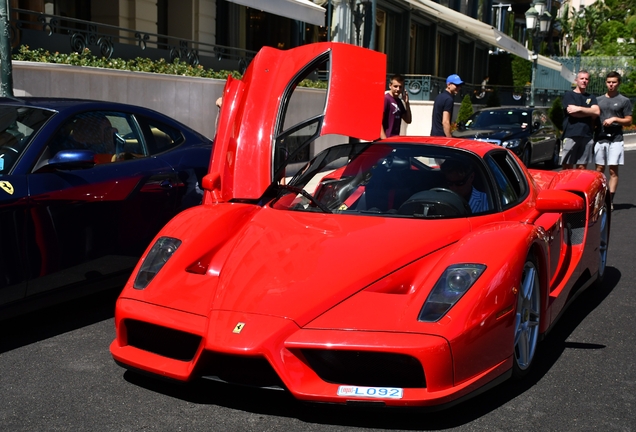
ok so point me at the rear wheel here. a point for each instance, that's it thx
(527, 319)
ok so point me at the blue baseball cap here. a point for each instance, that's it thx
(454, 79)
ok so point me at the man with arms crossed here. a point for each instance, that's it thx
(395, 109)
(580, 109)
(616, 112)
(443, 107)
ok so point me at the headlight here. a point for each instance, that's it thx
(511, 143)
(160, 253)
(453, 284)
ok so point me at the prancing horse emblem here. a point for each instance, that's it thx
(7, 187)
(238, 327)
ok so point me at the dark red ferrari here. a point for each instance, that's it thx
(411, 271)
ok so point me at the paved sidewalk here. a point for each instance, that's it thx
(630, 141)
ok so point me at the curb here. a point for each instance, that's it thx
(629, 141)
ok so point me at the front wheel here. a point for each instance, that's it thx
(527, 319)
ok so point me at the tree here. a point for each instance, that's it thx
(619, 10)
(521, 73)
(628, 84)
(465, 110)
(602, 28)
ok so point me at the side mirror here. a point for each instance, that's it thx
(461, 126)
(536, 125)
(72, 160)
(555, 200)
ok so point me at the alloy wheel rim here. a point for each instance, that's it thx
(527, 317)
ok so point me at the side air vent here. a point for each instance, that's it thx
(575, 224)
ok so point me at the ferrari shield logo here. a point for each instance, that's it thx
(7, 187)
(238, 327)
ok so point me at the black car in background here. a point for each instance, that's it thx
(526, 131)
(84, 187)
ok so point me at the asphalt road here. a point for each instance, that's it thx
(56, 373)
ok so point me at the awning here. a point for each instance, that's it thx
(301, 10)
(486, 33)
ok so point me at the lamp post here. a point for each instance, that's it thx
(537, 23)
(6, 68)
(358, 15)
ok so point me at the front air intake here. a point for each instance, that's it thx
(160, 340)
(366, 368)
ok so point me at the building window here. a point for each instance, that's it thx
(446, 55)
(420, 60)
(466, 61)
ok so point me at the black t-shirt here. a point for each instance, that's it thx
(578, 126)
(443, 102)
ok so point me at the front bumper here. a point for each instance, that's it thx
(273, 352)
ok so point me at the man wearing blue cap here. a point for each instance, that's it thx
(443, 107)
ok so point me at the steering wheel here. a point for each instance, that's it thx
(435, 203)
(466, 206)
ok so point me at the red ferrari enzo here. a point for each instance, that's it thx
(407, 271)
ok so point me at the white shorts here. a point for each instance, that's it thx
(609, 153)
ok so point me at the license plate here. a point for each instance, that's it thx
(371, 392)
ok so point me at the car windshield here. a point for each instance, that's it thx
(499, 119)
(388, 179)
(18, 125)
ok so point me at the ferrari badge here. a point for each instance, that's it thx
(7, 187)
(238, 327)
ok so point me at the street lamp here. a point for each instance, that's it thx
(358, 12)
(538, 23)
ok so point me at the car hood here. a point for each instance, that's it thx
(297, 265)
(494, 134)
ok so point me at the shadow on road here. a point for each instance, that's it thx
(623, 206)
(277, 403)
(46, 323)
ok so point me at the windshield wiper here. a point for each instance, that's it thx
(307, 195)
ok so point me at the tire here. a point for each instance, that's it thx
(604, 221)
(527, 319)
(525, 156)
(553, 162)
